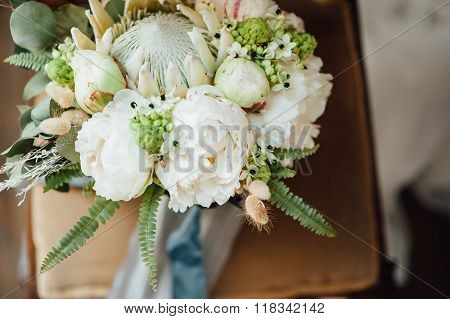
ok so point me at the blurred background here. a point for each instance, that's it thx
(406, 44)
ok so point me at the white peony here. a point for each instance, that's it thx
(288, 119)
(242, 9)
(109, 153)
(207, 150)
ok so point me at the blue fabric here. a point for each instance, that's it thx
(186, 258)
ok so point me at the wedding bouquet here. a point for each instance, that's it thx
(203, 100)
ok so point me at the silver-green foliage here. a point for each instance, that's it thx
(33, 26)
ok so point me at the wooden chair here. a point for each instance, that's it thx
(290, 262)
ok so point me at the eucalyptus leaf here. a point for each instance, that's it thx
(68, 16)
(115, 8)
(65, 145)
(22, 146)
(16, 3)
(30, 130)
(25, 117)
(33, 26)
(36, 85)
(41, 111)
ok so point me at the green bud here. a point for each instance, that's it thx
(255, 31)
(60, 72)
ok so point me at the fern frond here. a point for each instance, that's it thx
(295, 154)
(280, 172)
(83, 230)
(28, 60)
(294, 206)
(63, 176)
(147, 230)
(88, 189)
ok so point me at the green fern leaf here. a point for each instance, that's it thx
(280, 172)
(147, 230)
(88, 189)
(294, 206)
(295, 154)
(62, 177)
(28, 60)
(83, 230)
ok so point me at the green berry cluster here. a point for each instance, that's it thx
(306, 44)
(253, 34)
(60, 72)
(149, 130)
(275, 72)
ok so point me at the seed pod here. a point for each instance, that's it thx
(40, 142)
(55, 126)
(62, 95)
(257, 214)
(75, 117)
(260, 190)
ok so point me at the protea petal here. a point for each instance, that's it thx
(211, 20)
(133, 66)
(173, 77)
(195, 71)
(93, 22)
(104, 44)
(203, 50)
(131, 5)
(192, 15)
(81, 40)
(101, 16)
(147, 85)
(226, 40)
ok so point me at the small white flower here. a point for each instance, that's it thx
(270, 51)
(285, 47)
(109, 153)
(237, 51)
